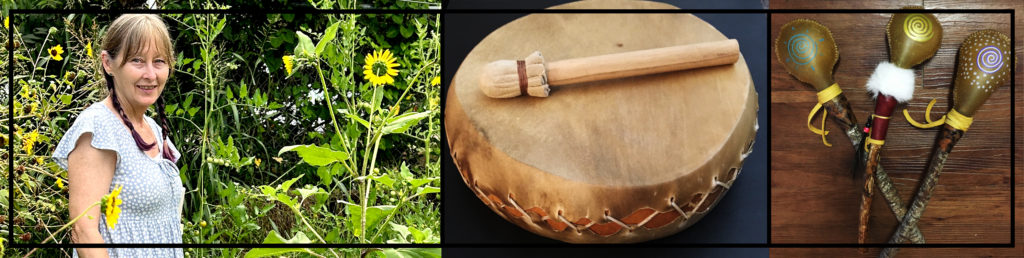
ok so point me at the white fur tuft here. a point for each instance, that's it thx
(892, 80)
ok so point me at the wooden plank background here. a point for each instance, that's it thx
(815, 199)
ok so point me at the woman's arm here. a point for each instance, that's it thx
(90, 172)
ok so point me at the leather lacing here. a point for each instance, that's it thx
(647, 217)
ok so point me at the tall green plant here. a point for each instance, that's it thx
(356, 149)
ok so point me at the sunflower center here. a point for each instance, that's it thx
(53, 52)
(379, 68)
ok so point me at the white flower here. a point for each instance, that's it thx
(315, 96)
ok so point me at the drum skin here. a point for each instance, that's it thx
(614, 161)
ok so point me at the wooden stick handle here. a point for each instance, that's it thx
(642, 62)
(840, 111)
(868, 194)
(949, 137)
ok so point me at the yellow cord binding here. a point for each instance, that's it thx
(868, 140)
(953, 118)
(823, 96)
(957, 120)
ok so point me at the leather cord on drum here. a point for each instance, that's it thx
(523, 81)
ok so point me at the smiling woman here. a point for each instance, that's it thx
(137, 57)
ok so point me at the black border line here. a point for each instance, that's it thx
(769, 51)
(1013, 128)
(442, 12)
(441, 143)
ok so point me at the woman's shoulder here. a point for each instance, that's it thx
(94, 121)
(96, 111)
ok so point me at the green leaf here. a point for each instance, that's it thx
(65, 98)
(316, 155)
(170, 108)
(306, 192)
(267, 190)
(275, 238)
(287, 200)
(358, 119)
(188, 102)
(412, 253)
(373, 215)
(417, 182)
(192, 111)
(404, 171)
(329, 35)
(243, 92)
(384, 179)
(403, 231)
(288, 184)
(219, 28)
(305, 46)
(417, 235)
(325, 176)
(402, 123)
(427, 190)
(406, 31)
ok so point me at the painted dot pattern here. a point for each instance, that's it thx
(918, 27)
(802, 49)
(152, 191)
(983, 59)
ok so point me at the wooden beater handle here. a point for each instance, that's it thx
(642, 62)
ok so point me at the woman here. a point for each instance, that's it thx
(113, 143)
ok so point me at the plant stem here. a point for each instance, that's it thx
(391, 215)
(330, 107)
(367, 173)
(72, 222)
(38, 55)
(303, 218)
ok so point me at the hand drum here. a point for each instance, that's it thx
(622, 160)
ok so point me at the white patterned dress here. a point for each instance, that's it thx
(152, 195)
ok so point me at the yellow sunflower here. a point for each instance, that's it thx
(55, 52)
(380, 67)
(257, 161)
(88, 49)
(113, 208)
(29, 141)
(7, 22)
(288, 63)
(435, 81)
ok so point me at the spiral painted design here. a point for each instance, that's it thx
(918, 27)
(990, 59)
(802, 49)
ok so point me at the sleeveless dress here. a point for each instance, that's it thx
(152, 192)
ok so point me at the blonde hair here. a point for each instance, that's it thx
(132, 33)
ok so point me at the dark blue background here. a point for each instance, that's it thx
(741, 216)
